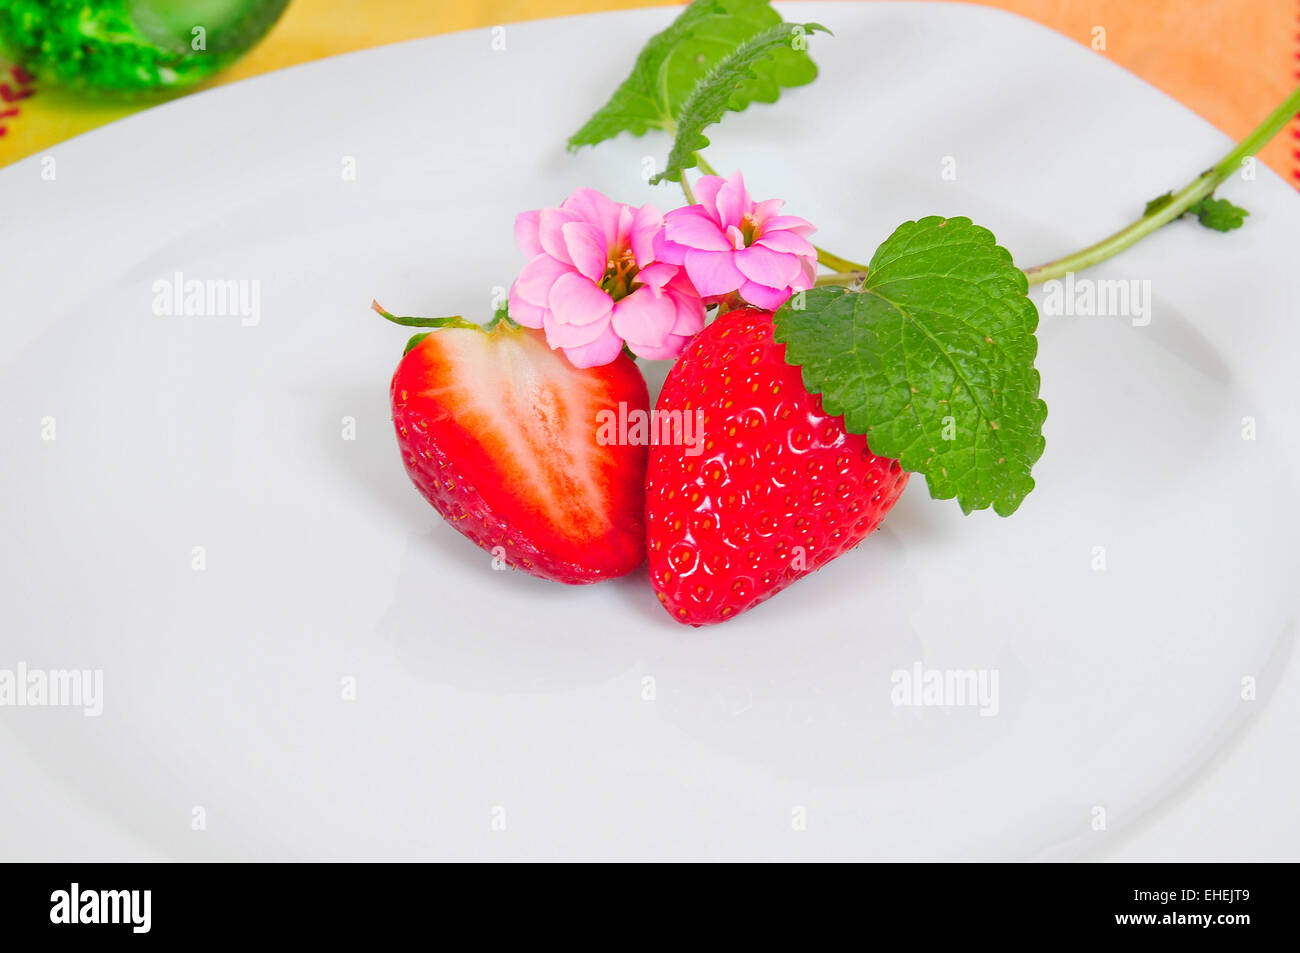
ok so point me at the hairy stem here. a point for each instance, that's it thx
(1199, 188)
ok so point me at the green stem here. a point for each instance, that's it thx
(1200, 187)
(840, 278)
(686, 186)
(836, 263)
(453, 322)
(686, 191)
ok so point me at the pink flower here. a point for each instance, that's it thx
(729, 242)
(592, 282)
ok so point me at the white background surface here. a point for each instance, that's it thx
(479, 690)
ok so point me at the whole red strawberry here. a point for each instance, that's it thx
(770, 489)
(500, 434)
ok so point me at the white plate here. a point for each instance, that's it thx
(480, 691)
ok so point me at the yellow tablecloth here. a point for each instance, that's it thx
(1229, 60)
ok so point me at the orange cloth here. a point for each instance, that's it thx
(1229, 60)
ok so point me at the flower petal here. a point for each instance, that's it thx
(733, 201)
(773, 268)
(690, 314)
(574, 335)
(667, 251)
(536, 278)
(647, 222)
(550, 225)
(645, 316)
(604, 349)
(526, 233)
(783, 239)
(681, 284)
(690, 227)
(576, 300)
(807, 275)
(791, 223)
(596, 209)
(670, 350)
(713, 272)
(657, 274)
(525, 312)
(623, 232)
(769, 299)
(706, 194)
(766, 209)
(585, 244)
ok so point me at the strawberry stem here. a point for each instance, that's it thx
(501, 316)
(452, 322)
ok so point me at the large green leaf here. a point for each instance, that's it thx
(933, 360)
(675, 60)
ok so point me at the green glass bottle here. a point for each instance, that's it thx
(125, 47)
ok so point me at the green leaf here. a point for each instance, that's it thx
(415, 339)
(1157, 203)
(674, 60)
(713, 95)
(501, 314)
(1218, 214)
(933, 360)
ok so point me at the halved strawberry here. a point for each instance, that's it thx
(499, 433)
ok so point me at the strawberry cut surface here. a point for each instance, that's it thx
(778, 489)
(499, 433)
